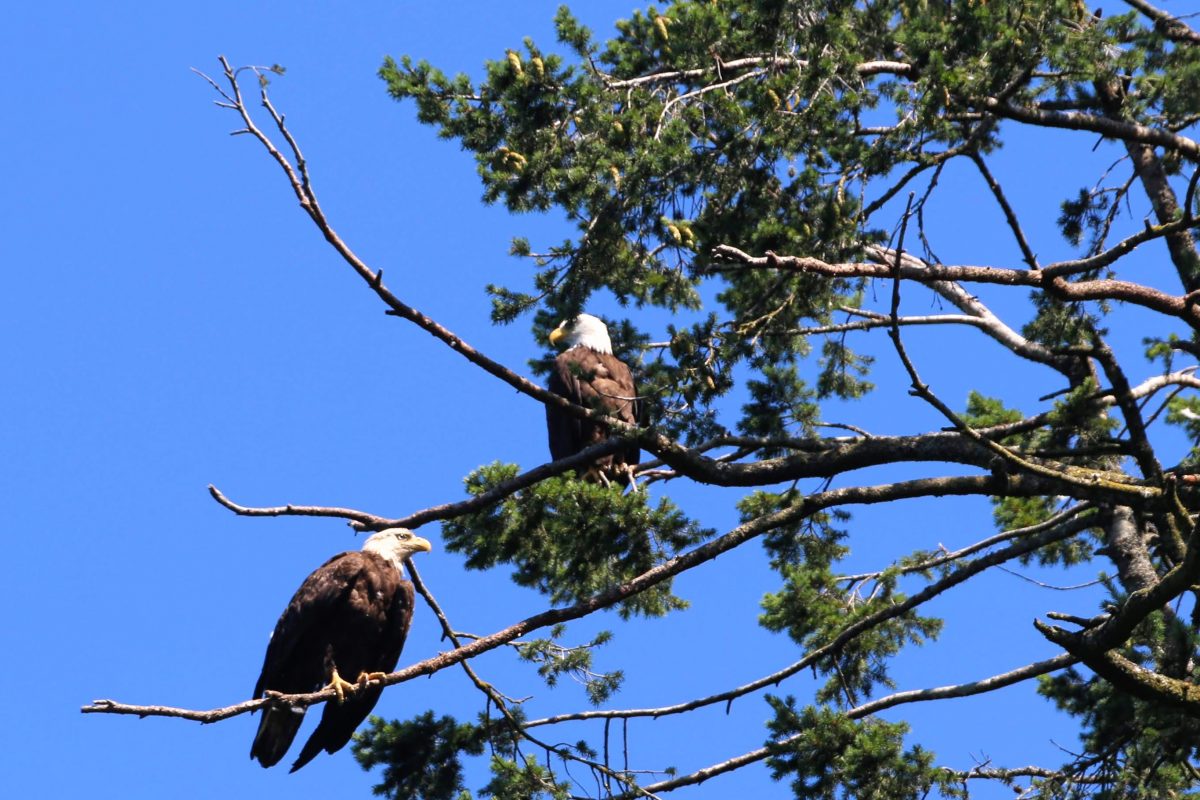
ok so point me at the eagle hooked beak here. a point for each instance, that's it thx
(420, 545)
(557, 335)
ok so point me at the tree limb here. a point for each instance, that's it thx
(1069, 527)
(961, 690)
(955, 485)
(1183, 307)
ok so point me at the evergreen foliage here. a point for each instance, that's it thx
(571, 539)
(742, 166)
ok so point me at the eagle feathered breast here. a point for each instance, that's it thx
(588, 374)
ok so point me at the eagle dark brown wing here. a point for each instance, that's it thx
(593, 380)
(351, 613)
(339, 720)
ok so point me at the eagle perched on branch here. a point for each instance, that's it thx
(588, 374)
(348, 620)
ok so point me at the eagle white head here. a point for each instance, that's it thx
(396, 544)
(585, 330)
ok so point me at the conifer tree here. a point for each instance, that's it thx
(765, 171)
(768, 175)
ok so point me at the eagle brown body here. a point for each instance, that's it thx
(589, 375)
(351, 615)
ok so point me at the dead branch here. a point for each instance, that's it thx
(960, 690)
(362, 521)
(1170, 26)
(1009, 214)
(1079, 121)
(804, 506)
(1069, 527)
(1100, 289)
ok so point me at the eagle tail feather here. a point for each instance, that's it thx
(311, 748)
(276, 731)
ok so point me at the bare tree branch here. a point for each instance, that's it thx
(970, 304)
(956, 485)
(1056, 533)
(1078, 121)
(1170, 26)
(1182, 307)
(865, 69)
(362, 521)
(501, 701)
(941, 692)
(1009, 214)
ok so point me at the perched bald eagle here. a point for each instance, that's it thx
(588, 374)
(347, 620)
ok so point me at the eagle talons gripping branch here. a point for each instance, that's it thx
(340, 685)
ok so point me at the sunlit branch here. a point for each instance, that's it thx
(1168, 25)
(865, 69)
(1100, 289)
(979, 315)
(872, 322)
(1003, 536)
(969, 303)
(361, 520)
(883, 493)
(1182, 378)
(1067, 529)
(962, 690)
(1061, 661)
(1122, 130)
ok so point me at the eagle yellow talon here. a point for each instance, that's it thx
(340, 686)
(367, 677)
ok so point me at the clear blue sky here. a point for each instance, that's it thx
(171, 319)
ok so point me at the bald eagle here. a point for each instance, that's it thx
(588, 374)
(349, 618)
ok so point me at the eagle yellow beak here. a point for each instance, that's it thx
(420, 545)
(557, 335)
